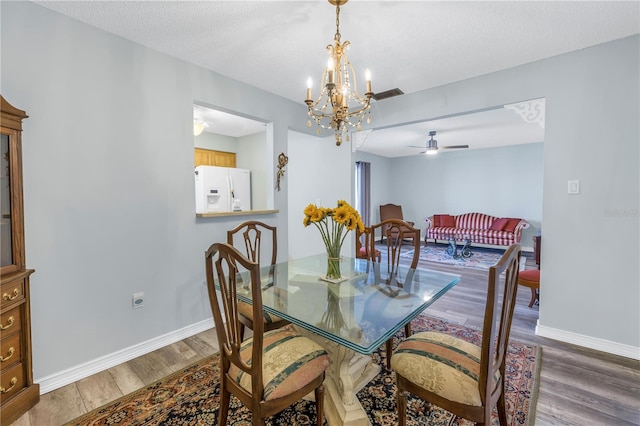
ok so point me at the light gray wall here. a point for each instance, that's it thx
(255, 154)
(108, 183)
(590, 276)
(108, 163)
(318, 173)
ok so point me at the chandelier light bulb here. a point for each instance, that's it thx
(330, 70)
(309, 85)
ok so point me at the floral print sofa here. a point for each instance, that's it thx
(478, 227)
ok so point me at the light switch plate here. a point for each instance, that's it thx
(573, 186)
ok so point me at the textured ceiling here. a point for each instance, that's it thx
(411, 45)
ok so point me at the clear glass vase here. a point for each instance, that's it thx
(333, 267)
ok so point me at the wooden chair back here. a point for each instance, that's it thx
(251, 232)
(390, 211)
(250, 235)
(223, 262)
(396, 231)
(501, 301)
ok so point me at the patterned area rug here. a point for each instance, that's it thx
(481, 257)
(191, 396)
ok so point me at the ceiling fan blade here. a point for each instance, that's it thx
(415, 146)
(454, 146)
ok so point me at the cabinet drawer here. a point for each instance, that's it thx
(12, 292)
(11, 381)
(11, 321)
(10, 350)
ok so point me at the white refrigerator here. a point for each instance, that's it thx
(222, 189)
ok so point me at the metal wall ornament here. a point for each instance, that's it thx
(282, 161)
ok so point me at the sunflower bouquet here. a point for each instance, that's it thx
(334, 225)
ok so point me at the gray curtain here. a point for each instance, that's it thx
(363, 191)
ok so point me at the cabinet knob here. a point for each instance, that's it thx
(10, 321)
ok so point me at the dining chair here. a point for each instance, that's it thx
(363, 245)
(270, 370)
(396, 231)
(249, 235)
(391, 211)
(459, 376)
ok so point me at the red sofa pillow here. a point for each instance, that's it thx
(511, 224)
(447, 221)
(436, 220)
(499, 224)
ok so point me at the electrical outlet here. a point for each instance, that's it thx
(137, 300)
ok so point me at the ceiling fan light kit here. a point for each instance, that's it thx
(432, 145)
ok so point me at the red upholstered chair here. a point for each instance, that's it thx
(531, 278)
(363, 243)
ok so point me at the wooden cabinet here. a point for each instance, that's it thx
(209, 157)
(18, 393)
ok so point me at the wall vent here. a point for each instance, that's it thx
(387, 94)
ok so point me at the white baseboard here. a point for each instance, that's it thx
(73, 374)
(602, 345)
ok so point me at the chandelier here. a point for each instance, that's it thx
(339, 104)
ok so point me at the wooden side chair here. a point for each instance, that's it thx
(456, 375)
(396, 231)
(250, 233)
(363, 244)
(391, 211)
(270, 370)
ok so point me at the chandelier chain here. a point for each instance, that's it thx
(337, 36)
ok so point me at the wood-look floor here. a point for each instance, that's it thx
(577, 386)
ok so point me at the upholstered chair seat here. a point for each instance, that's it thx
(363, 253)
(289, 363)
(441, 364)
(270, 320)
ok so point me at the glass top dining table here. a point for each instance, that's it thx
(361, 312)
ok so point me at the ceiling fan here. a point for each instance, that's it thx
(432, 145)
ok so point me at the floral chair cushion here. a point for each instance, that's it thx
(289, 362)
(246, 310)
(441, 364)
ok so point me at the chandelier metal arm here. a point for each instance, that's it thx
(331, 110)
